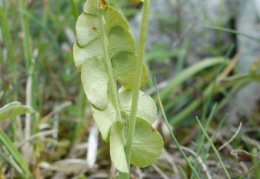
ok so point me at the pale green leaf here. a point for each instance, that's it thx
(114, 18)
(147, 144)
(117, 152)
(92, 7)
(104, 120)
(89, 36)
(146, 110)
(13, 109)
(120, 40)
(81, 54)
(95, 82)
(88, 28)
(124, 69)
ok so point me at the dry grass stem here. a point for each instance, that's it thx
(232, 138)
(48, 116)
(40, 134)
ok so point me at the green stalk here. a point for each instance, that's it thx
(245, 174)
(173, 136)
(16, 168)
(187, 73)
(26, 40)
(212, 88)
(214, 149)
(74, 9)
(6, 33)
(108, 64)
(29, 84)
(256, 163)
(232, 31)
(15, 154)
(8, 41)
(130, 129)
(181, 57)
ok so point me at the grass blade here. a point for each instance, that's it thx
(189, 72)
(256, 163)
(214, 149)
(173, 136)
(233, 32)
(14, 152)
(17, 169)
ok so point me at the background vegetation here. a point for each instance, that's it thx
(37, 69)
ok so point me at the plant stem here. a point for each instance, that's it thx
(232, 31)
(139, 65)
(173, 136)
(15, 154)
(26, 34)
(29, 69)
(214, 149)
(187, 73)
(112, 82)
(74, 9)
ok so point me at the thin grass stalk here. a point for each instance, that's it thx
(181, 57)
(5, 28)
(218, 129)
(214, 137)
(256, 162)
(28, 60)
(16, 168)
(14, 123)
(207, 93)
(26, 35)
(214, 149)
(173, 136)
(188, 93)
(183, 174)
(232, 31)
(4, 40)
(204, 113)
(15, 154)
(187, 73)
(244, 175)
(130, 129)
(201, 138)
(8, 41)
(74, 9)
(45, 12)
(40, 99)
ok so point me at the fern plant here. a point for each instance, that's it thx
(105, 56)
